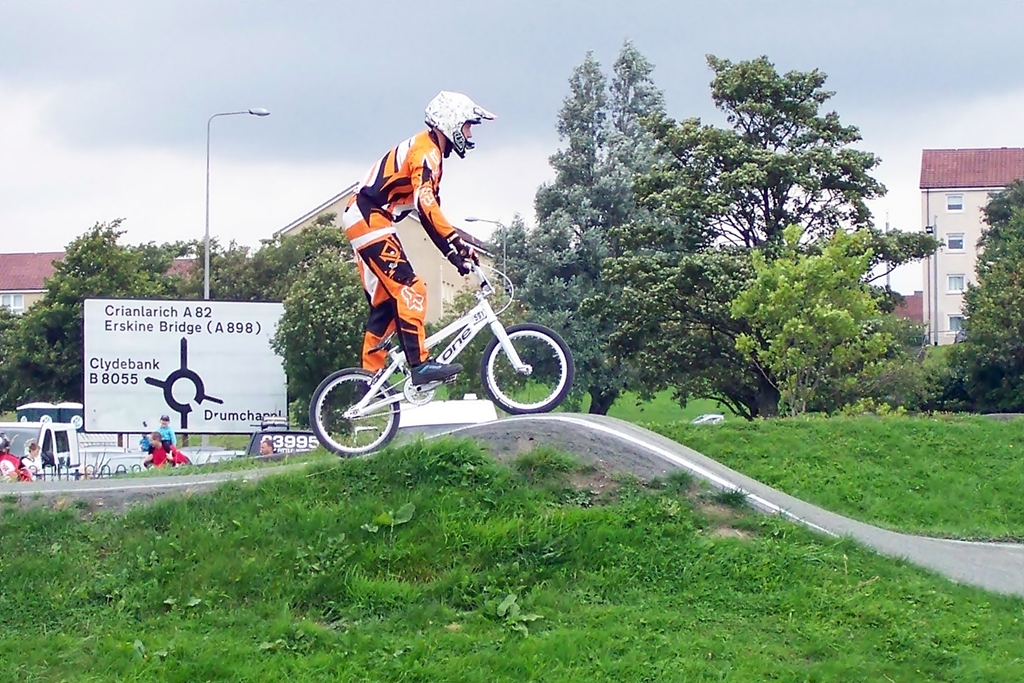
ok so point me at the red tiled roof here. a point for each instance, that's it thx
(26, 272)
(950, 168)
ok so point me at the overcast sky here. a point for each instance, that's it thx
(103, 104)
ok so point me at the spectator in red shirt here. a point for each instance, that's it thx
(159, 456)
(178, 458)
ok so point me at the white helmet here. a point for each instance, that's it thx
(448, 111)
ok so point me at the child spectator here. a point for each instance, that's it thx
(33, 461)
(167, 437)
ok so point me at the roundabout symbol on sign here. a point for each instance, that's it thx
(183, 372)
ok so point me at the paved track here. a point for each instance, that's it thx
(625, 447)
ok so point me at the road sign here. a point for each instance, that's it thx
(208, 365)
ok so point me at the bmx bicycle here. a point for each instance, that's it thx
(525, 368)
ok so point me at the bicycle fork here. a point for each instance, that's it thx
(510, 351)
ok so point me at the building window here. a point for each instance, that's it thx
(954, 202)
(955, 241)
(955, 283)
(956, 323)
(15, 303)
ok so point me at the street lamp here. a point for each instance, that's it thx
(206, 249)
(504, 230)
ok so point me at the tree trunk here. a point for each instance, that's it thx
(767, 398)
(601, 400)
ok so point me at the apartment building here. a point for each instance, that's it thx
(956, 184)
(442, 279)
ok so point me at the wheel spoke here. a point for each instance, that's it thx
(548, 381)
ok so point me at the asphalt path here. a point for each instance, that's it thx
(625, 447)
(119, 493)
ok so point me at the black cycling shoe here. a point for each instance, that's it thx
(430, 371)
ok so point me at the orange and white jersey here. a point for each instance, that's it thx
(404, 180)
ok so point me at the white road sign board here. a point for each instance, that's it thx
(208, 365)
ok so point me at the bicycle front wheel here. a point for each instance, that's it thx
(350, 436)
(546, 384)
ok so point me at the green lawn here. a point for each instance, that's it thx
(662, 408)
(236, 464)
(959, 477)
(303, 577)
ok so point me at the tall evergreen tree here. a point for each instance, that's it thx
(992, 355)
(557, 264)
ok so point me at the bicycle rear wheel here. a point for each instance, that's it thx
(336, 394)
(551, 375)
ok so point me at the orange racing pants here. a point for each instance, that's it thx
(397, 296)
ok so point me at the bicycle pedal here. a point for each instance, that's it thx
(452, 379)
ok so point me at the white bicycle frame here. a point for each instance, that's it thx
(464, 329)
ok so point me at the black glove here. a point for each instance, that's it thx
(461, 254)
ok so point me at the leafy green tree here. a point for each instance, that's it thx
(240, 274)
(1000, 210)
(45, 357)
(322, 327)
(231, 273)
(992, 355)
(673, 324)
(721, 194)
(813, 322)
(557, 265)
(8, 323)
(783, 162)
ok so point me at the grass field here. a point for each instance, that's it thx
(661, 409)
(959, 477)
(236, 464)
(431, 563)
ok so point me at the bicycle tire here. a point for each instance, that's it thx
(560, 363)
(341, 436)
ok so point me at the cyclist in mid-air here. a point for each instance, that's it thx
(405, 180)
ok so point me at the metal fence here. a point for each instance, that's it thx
(62, 472)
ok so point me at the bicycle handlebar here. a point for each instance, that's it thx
(485, 283)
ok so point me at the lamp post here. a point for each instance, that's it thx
(206, 241)
(504, 230)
